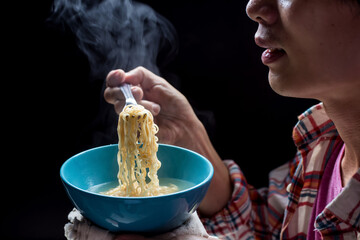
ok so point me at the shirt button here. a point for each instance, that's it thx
(288, 187)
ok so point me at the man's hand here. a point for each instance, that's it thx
(171, 110)
(178, 125)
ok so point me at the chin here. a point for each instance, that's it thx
(277, 84)
(286, 86)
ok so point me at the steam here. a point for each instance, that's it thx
(117, 33)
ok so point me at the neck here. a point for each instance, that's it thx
(346, 116)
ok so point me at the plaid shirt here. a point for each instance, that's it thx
(283, 210)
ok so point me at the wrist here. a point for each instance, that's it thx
(221, 182)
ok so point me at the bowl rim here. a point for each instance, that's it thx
(207, 179)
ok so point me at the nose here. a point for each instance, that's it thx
(262, 11)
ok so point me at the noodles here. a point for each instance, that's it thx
(138, 163)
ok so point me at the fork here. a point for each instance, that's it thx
(129, 98)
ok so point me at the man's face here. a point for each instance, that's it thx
(313, 46)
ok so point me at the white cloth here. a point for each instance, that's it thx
(80, 228)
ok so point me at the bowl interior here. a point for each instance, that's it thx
(99, 165)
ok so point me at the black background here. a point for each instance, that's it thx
(50, 103)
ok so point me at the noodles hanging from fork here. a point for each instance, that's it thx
(137, 160)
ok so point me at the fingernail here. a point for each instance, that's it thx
(156, 108)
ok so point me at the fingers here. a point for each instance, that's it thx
(137, 93)
(138, 76)
(154, 108)
(115, 96)
(112, 95)
(115, 78)
(145, 78)
(143, 81)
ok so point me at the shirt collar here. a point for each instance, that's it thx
(311, 125)
(345, 207)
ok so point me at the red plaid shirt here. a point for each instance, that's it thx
(283, 210)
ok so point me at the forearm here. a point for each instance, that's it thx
(220, 189)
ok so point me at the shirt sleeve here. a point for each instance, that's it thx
(252, 213)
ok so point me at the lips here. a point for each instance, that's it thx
(272, 52)
(271, 55)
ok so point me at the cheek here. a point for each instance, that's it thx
(316, 75)
(303, 74)
(321, 39)
(320, 51)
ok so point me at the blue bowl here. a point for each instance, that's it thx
(136, 214)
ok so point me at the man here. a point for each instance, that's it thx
(312, 52)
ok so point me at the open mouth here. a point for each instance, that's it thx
(271, 55)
